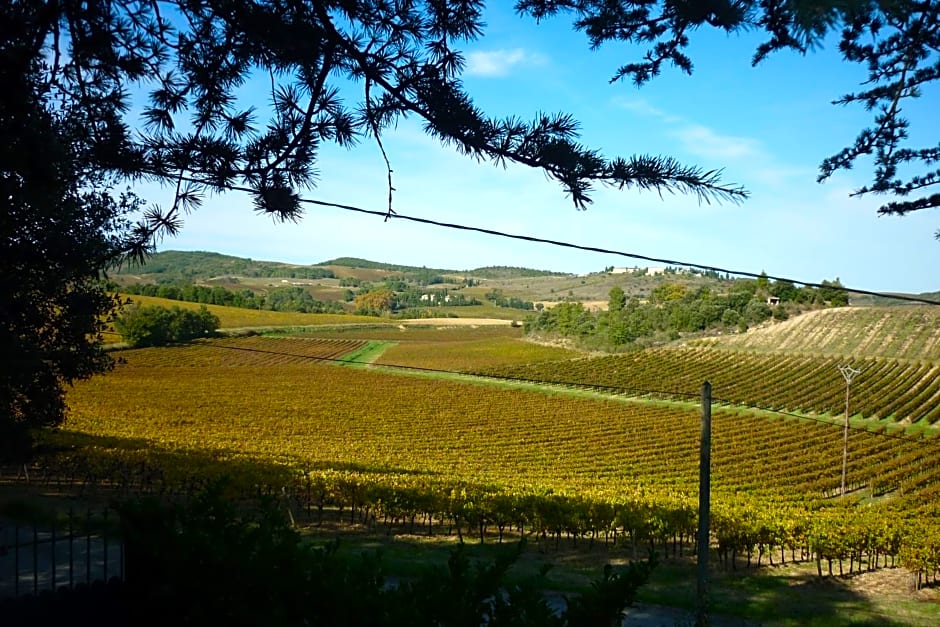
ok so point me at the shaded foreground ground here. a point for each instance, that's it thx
(789, 595)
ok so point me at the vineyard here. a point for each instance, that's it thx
(480, 459)
(460, 348)
(903, 391)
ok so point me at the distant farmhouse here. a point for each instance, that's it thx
(641, 271)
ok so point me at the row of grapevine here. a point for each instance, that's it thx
(243, 351)
(885, 388)
(661, 520)
(480, 459)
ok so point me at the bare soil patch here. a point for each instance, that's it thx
(891, 582)
(456, 322)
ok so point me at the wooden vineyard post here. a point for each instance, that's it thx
(704, 504)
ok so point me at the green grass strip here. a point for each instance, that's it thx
(367, 353)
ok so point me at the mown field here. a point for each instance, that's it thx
(238, 318)
(235, 317)
(550, 442)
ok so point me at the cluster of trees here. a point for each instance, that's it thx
(298, 299)
(397, 297)
(288, 298)
(377, 302)
(496, 297)
(158, 326)
(675, 308)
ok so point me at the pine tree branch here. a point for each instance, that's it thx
(563, 160)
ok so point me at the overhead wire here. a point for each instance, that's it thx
(386, 216)
(629, 255)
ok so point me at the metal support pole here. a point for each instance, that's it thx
(848, 373)
(704, 506)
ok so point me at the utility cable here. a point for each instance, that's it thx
(606, 251)
(386, 215)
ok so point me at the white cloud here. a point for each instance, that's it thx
(749, 154)
(642, 107)
(701, 140)
(496, 63)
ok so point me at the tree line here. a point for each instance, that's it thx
(673, 309)
(287, 298)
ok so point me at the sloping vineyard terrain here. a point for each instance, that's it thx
(905, 391)
(476, 456)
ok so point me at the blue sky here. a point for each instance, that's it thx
(768, 127)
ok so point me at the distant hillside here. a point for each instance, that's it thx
(511, 272)
(176, 265)
(486, 272)
(865, 300)
(355, 262)
(897, 332)
(191, 266)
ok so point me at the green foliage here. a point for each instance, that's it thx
(496, 297)
(60, 224)
(756, 312)
(287, 298)
(667, 292)
(730, 318)
(784, 290)
(355, 262)
(617, 299)
(833, 293)
(511, 272)
(895, 43)
(263, 574)
(608, 597)
(763, 283)
(568, 319)
(159, 326)
(673, 309)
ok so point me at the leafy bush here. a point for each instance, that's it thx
(211, 562)
(159, 326)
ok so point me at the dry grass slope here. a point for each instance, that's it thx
(910, 333)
